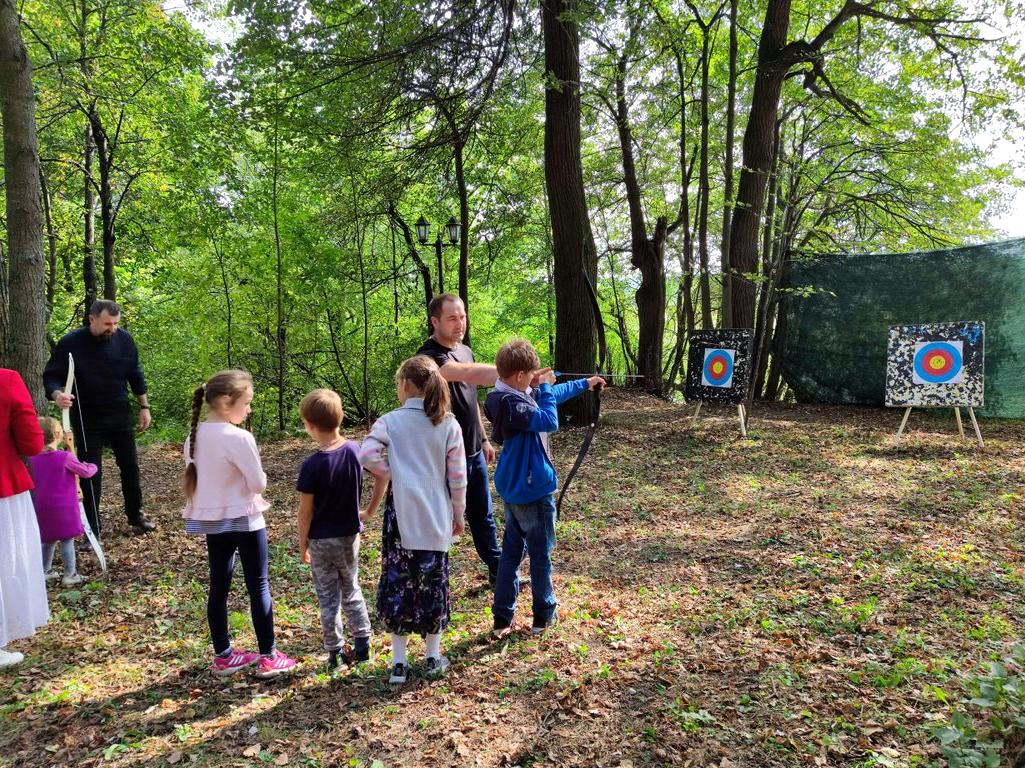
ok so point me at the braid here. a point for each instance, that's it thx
(191, 478)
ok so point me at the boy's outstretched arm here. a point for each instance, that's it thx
(305, 518)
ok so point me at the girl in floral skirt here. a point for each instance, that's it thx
(419, 447)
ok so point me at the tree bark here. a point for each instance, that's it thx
(574, 254)
(726, 313)
(757, 160)
(646, 254)
(703, 185)
(464, 233)
(90, 283)
(24, 342)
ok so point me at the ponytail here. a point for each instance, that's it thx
(190, 478)
(423, 374)
(225, 384)
(436, 397)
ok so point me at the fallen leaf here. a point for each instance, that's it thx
(251, 751)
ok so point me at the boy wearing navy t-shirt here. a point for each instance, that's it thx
(330, 522)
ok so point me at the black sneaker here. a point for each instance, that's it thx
(356, 655)
(332, 660)
(502, 629)
(398, 674)
(436, 666)
(539, 628)
(142, 524)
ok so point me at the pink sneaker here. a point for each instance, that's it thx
(273, 665)
(233, 662)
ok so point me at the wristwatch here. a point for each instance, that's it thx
(143, 407)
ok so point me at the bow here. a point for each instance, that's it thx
(66, 424)
(603, 355)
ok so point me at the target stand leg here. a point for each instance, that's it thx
(960, 424)
(743, 425)
(975, 423)
(694, 416)
(904, 422)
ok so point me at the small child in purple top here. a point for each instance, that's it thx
(56, 495)
(330, 522)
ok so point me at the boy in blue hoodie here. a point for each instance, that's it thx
(522, 409)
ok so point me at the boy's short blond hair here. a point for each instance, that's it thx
(516, 356)
(322, 409)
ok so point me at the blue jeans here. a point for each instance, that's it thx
(530, 527)
(479, 516)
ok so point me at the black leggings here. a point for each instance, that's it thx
(252, 551)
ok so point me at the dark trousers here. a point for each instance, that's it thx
(251, 547)
(480, 517)
(121, 439)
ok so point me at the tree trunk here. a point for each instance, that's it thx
(421, 265)
(24, 342)
(279, 272)
(726, 319)
(757, 160)
(51, 242)
(464, 235)
(574, 255)
(89, 281)
(646, 254)
(704, 187)
(105, 157)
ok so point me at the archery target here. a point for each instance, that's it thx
(938, 362)
(717, 370)
(718, 366)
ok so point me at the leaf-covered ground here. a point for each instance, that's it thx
(804, 597)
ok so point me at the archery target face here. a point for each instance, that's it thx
(938, 362)
(717, 370)
(718, 366)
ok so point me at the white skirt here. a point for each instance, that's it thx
(23, 605)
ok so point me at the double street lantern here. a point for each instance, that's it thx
(423, 232)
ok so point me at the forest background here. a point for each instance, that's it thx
(245, 178)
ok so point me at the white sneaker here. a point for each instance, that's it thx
(72, 580)
(53, 575)
(10, 658)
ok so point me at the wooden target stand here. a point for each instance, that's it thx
(741, 415)
(957, 417)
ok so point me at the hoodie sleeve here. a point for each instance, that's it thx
(569, 389)
(521, 415)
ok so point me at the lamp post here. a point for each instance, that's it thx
(423, 231)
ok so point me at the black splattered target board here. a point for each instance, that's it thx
(719, 366)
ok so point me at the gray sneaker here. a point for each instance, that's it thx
(436, 666)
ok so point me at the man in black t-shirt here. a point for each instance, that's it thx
(106, 366)
(455, 359)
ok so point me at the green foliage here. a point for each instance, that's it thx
(979, 729)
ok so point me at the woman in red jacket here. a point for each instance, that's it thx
(23, 606)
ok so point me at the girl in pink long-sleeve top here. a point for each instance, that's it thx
(56, 474)
(420, 448)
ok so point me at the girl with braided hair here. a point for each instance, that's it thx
(223, 484)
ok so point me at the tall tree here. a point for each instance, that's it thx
(778, 56)
(23, 331)
(575, 257)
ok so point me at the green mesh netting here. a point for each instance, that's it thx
(836, 337)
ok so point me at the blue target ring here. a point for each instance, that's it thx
(938, 362)
(718, 368)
